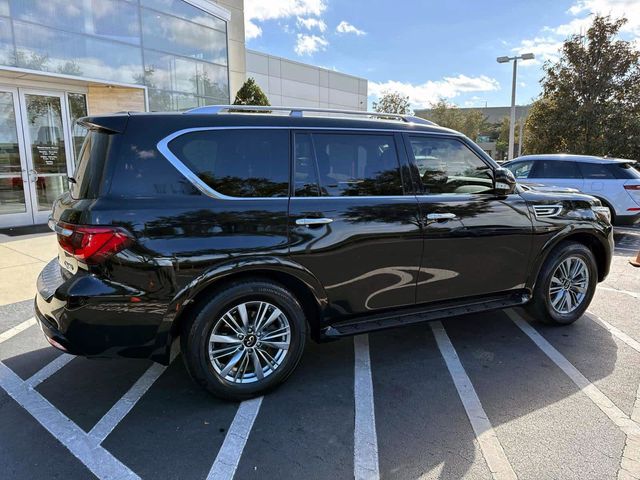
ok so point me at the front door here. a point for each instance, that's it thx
(48, 149)
(36, 154)
(476, 243)
(351, 224)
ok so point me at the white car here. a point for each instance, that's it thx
(615, 182)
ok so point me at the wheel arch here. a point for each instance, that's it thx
(294, 277)
(596, 242)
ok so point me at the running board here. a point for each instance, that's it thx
(432, 312)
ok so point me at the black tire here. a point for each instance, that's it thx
(541, 307)
(194, 339)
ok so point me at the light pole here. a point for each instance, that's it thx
(512, 123)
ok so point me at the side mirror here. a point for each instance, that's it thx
(504, 183)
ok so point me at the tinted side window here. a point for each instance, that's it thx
(447, 165)
(305, 174)
(521, 169)
(357, 164)
(555, 169)
(596, 171)
(238, 163)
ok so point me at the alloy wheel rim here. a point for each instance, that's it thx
(569, 284)
(249, 342)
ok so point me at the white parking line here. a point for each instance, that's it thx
(226, 463)
(490, 446)
(114, 416)
(101, 463)
(365, 439)
(626, 292)
(630, 464)
(616, 332)
(12, 332)
(48, 370)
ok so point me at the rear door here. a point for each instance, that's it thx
(475, 243)
(351, 223)
(559, 173)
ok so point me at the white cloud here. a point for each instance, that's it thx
(256, 11)
(311, 23)
(423, 95)
(309, 44)
(547, 45)
(346, 27)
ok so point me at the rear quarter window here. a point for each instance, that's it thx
(89, 172)
(237, 163)
(625, 171)
(597, 171)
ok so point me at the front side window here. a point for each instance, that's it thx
(555, 169)
(238, 163)
(349, 164)
(521, 169)
(446, 166)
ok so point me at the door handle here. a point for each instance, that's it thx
(308, 222)
(441, 216)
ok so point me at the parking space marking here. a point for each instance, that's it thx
(626, 292)
(226, 463)
(617, 332)
(12, 332)
(114, 416)
(365, 439)
(97, 459)
(488, 441)
(630, 462)
(49, 369)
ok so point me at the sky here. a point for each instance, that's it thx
(431, 48)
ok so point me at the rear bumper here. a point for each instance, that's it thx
(85, 315)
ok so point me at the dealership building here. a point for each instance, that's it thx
(64, 59)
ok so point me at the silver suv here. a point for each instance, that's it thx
(615, 182)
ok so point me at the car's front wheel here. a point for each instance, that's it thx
(244, 340)
(566, 284)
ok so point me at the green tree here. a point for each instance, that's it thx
(251, 94)
(393, 102)
(469, 122)
(590, 103)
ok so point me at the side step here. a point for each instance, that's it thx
(433, 312)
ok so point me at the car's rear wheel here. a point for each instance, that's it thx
(566, 284)
(245, 339)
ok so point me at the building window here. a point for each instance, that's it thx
(184, 62)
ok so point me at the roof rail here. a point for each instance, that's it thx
(299, 112)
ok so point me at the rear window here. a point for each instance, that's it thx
(238, 163)
(624, 170)
(90, 169)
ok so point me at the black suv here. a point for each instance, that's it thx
(239, 232)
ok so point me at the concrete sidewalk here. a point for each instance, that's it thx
(21, 260)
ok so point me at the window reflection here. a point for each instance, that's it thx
(172, 34)
(187, 11)
(41, 48)
(185, 63)
(77, 109)
(112, 19)
(448, 166)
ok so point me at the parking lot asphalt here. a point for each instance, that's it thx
(492, 395)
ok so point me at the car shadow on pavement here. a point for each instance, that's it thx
(305, 428)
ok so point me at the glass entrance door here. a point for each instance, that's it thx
(48, 149)
(15, 200)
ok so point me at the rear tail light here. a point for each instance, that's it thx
(91, 244)
(632, 187)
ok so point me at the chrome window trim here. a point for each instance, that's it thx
(163, 148)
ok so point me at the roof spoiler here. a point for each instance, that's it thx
(116, 123)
